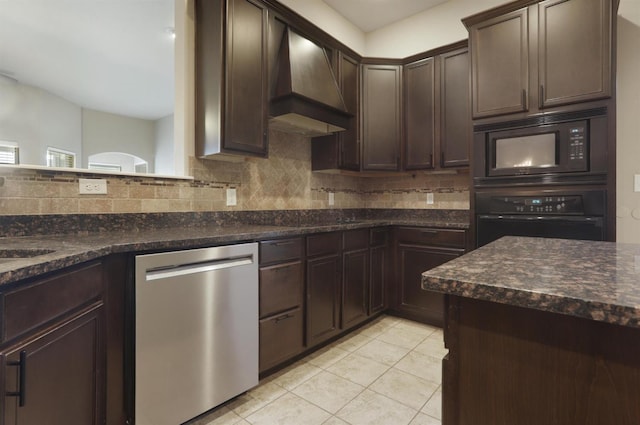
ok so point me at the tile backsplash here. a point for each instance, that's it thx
(283, 181)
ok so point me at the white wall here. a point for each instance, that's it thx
(628, 132)
(432, 28)
(105, 132)
(435, 27)
(164, 159)
(330, 21)
(37, 119)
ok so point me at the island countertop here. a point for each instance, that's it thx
(587, 279)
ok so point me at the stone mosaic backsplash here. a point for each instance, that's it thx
(284, 181)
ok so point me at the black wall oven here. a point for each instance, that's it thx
(556, 213)
(543, 176)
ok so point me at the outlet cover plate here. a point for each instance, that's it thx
(636, 183)
(429, 198)
(92, 186)
(231, 198)
(332, 198)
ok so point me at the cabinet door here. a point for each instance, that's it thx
(419, 114)
(349, 75)
(246, 78)
(281, 337)
(355, 282)
(59, 375)
(574, 51)
(381, 112)
(500, 64)
(323, 298)
(413, 301)
(455, 109)
(379, 269)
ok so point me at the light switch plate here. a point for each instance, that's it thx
(231, 197)
(429, 198)
(636, 183)
(92, 186)
(332, 198)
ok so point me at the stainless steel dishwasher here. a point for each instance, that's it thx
(196, 331)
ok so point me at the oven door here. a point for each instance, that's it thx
(492, 227)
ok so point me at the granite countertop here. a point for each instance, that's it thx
(592, 280)
(71, 249)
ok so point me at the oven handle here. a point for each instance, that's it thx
(581, 219)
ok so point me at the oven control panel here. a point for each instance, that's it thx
(571, 204)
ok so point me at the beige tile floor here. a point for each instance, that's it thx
(386, 373)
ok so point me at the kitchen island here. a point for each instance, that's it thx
(541, 331)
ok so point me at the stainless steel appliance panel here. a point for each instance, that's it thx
(196, 331)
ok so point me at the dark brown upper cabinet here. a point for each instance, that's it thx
(419, 114)
(342, 150)
(557, 52)
(500, 64)
(231, 78)
(381, 117)
(574, 51)
(437, 118)
(455, 109)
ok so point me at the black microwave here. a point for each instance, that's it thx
(542, 149)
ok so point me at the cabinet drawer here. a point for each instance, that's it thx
(431, 236)
(379, 237)
(281, 337)
(355, 239)
(26, 308)
(280, 288)
(279, 251)
(323, 244)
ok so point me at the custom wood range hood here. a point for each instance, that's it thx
(306, 98)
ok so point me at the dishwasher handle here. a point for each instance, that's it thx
(166, 272)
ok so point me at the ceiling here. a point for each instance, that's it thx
(109, 55)
(370, 15)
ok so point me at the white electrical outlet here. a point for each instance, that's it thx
(636, 183)
(231, 197)
(429, 198)
(93, 187)
(332, 198)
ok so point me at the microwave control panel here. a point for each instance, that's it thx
(568, 204)
(577, 146)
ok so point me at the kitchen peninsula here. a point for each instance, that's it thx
(541, 331)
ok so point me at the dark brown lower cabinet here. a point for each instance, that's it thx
(379, 268)
(53, 350)
(355, 277)
(515, 365)
(324, 275)
(281, 301)
(418, 250)
(281, 338)
(57, 378)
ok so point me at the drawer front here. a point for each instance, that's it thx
(379, 236)
(431, 236)
(355, 239)
(323, 244)
(26, 308)
(281, 337)
(280, 288)
(279, 251)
